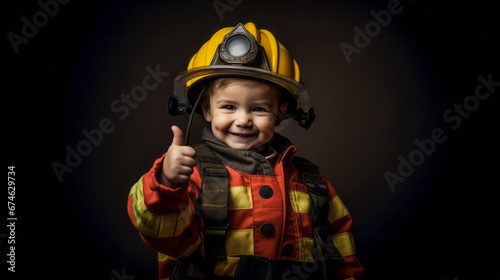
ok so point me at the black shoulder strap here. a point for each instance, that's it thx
(215, 205)
(310, 176)
(326, 251)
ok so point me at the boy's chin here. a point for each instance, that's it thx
(239, 146)
(244, 146)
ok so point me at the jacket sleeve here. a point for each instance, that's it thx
(340, 221)
(165, 217)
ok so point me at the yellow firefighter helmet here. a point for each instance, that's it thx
(248, 52)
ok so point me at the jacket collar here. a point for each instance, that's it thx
(248, 161)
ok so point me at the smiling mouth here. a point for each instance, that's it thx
(244, 135)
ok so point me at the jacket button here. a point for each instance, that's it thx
(266, 192)
(287, 250)
(267, 228)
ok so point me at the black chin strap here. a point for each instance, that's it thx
(188, 129)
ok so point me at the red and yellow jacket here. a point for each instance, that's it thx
(168, 220)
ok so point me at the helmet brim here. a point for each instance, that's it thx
(291, 88)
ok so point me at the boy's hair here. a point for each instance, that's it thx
(223, 82)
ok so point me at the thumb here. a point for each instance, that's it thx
(178, 136)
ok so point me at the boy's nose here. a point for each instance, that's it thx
(243, 119)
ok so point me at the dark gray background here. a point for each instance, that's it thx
(441, 223)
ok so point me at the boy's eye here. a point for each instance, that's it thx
(228, 107)
(260, 109)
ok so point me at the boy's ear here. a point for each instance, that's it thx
(279, 116)
(206, 113)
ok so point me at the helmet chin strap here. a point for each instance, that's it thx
(191, 115)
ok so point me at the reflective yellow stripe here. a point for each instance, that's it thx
(351, 278)
(306, 249)
(165, 278)
(344, 243)
(191, 248)
(240, 197)
(157, 226)
(239, 242)
(227, 267)
(337, 209)
(300, 201)
(187, 252)
(162, 257)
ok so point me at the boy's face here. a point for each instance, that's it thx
(243, 116)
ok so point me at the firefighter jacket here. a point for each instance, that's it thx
(268, 213)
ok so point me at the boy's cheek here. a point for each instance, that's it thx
(271, 122)
(220, 121)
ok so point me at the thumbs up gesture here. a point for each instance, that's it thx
(179, 161)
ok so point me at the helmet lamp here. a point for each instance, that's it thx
(238, 46)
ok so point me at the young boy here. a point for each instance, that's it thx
(241, 205)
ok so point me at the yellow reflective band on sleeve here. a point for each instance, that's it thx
(240, 198)
(337, 209)
(306, 249)
(239, 242)
(132, 190)
(300, 201)
(227, 267)
(158, 226)
(351, 278)
(191, 248)
(162, 257)
(344, 243)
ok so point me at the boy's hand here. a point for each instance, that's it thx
(179, 161)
